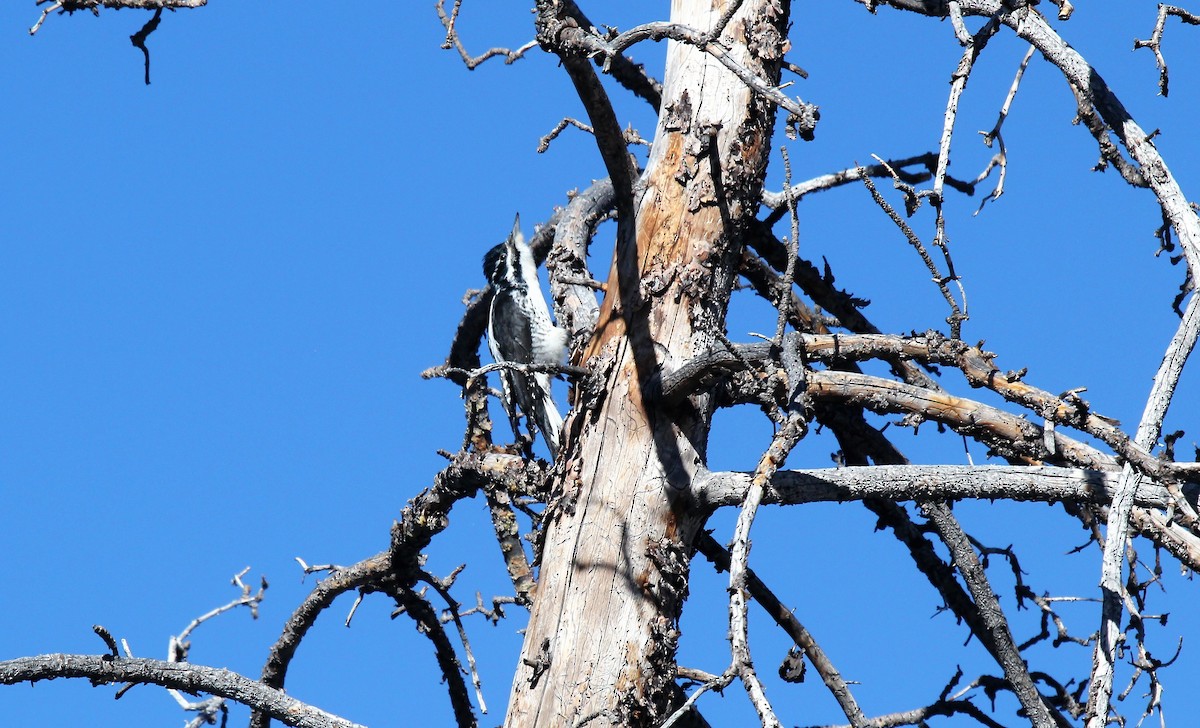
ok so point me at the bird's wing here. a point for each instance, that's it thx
(516, 347)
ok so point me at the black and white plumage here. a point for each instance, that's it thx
(520, 331)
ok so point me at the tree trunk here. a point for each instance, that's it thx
(600, 646)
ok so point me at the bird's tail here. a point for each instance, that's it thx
(546, 414)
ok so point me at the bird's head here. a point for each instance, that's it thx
(502, 263)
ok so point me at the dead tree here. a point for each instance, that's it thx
(618, 518)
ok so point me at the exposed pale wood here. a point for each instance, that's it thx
(602, 632)
(916, 482)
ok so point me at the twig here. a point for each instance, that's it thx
(1155, 42)
(1063, 635)
(783, 303)
(245, 600)
(178, 645)
(448, 23)
(139, 40)
(544, 142)
(453, 40)
(442, 587)
(493, 614)
(919, 716)
(715, 682)
(957, 315)
(1000, 159)
(448, 372)
(972, 46)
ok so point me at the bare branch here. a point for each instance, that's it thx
(792, 431)
(711, 682)
(622, 68)
(988, 607)
(422, 612)
(1008, 435)
(1062, 635)
(139, 40)
(631, 136)
(570, 44)
(247, 599)
(453, 613)
(504, 521)
(973, 45)
(802, 116)
(917, 482)
(190, 678)
(179, 645)
(575, 304)
(919, 716)
(784, 302)
(1149, 429)
(501, 366)
(976, 365)
(1096, 97)
(778, 200)
(1179, 541)
(425, 516)
(71, 6)
(790, 624)
(337, 583)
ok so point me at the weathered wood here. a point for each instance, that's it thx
(601, 640)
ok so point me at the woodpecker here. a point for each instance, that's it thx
(520, 331)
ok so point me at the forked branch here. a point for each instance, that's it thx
(1155, 41)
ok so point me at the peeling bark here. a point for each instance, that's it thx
(601, 641)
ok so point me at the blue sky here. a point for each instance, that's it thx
(218, 291)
